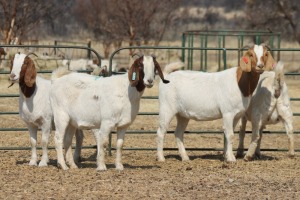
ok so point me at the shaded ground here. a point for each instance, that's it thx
(206, 176)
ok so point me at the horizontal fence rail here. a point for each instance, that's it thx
(56, 47)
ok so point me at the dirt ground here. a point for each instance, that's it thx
(205, 176)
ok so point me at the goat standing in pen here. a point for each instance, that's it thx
(269, 104)
(81, 101)
(34, 105)
(208, 96)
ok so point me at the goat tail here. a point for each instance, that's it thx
(279, 79)
(59, 72)
(279, 71)
(172, 67)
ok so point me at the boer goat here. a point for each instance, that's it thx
(270, 104)
(205, 96)
(34, 105)
(85, 102)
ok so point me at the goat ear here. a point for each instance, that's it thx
(30, 74)
(133, 74)
(160, 73)
(245, 63)
(270, 62)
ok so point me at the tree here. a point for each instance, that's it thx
(19, 17)
(277, 15)
(134, 21)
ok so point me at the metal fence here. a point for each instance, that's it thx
(224, 60)
(223, 39)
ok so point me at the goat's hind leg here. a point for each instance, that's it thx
(59, 139)
(254, 141)
(257, 151)
(68, 146)
(290, 133)
(240, 150)
(79, 140)
(180, 128)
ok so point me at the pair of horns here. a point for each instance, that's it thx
(139, 54)
(249, 46)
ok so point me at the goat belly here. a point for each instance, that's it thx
(81, 124)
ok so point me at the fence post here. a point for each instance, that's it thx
(183, 45)
(55, 44)
(89, 51)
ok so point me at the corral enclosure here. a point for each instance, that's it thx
(275, 176)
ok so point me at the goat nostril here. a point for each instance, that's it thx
(150, 81)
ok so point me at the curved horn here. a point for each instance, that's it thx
(31, 53)
(153, 56)
(265, 45)
(249, 46)
(139, 54)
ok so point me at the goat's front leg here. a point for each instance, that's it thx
(33, 137)
(229, 134)
(180, 128)
(101, 137)
(46, 130)
(240, 150)
(120, 141)
(164, 121)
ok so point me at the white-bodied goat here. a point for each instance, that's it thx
(270, 104)
(208, 96)
(85, 101)
(80, 64)
(34, 105)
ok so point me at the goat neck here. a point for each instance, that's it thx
(247, 81)
(27, 91)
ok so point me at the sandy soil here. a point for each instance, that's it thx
(206, 176)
